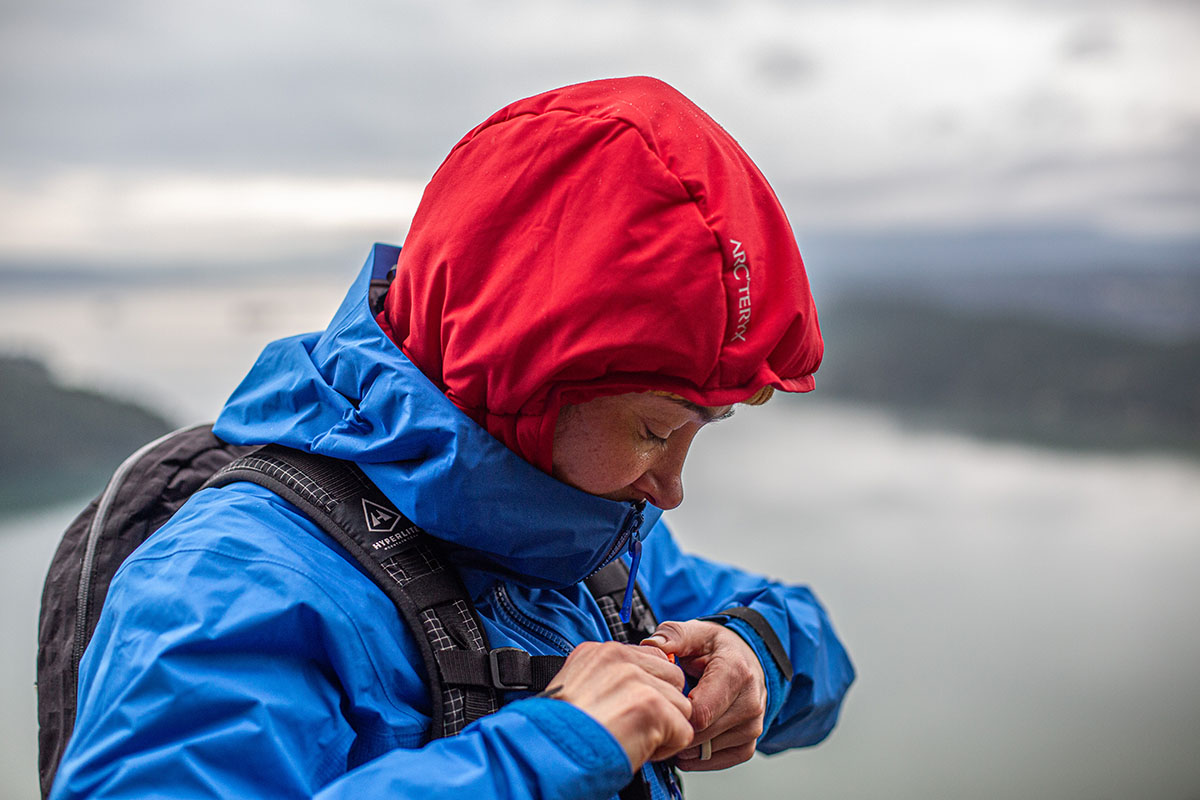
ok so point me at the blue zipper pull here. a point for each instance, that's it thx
(635, 555)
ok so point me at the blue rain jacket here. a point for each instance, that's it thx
(240, 653)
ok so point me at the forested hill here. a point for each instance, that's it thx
(1005, 375)
(995, 373)
(58, 443)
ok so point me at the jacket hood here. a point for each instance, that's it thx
(597, 239)
(349, 393)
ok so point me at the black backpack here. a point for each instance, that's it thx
(466, 677)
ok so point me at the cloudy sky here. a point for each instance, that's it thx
(176, 134)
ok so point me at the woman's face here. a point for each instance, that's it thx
(629, 446)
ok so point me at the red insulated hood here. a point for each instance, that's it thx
(597, 239)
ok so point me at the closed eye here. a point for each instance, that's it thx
(651, 436)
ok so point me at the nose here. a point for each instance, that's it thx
(662, 483)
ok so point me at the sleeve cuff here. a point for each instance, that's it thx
(585, 740)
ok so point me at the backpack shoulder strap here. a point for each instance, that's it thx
(466, 676)
(607, 585)
(464, 673)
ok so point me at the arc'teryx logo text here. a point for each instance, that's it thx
(741, 272)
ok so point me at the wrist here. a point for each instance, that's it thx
(773, 677)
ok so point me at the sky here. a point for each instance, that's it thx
(170, 135)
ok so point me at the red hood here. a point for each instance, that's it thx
(597, 239)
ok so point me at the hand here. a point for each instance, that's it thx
(636, 693)
(730, 697)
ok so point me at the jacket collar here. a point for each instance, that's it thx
(350, 393)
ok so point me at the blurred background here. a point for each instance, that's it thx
(996, 487)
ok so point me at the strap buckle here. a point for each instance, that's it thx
(494, 668)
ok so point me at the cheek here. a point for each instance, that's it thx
(599, 459)
(613, 469)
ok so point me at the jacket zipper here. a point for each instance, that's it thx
(666, 773)
(665, 778)
(523, 620)
(630, 527)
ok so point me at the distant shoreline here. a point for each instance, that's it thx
(946, 360)
(1004, 376)
(60, 442)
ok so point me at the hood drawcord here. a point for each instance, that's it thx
(635, 559)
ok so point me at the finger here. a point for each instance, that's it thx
(685, 639)
(655, 662)
(744, 716)
(678, 733)
(669, 692)
(712, 697)
(745, 733)
(676, 738)
(679, 701)
(721, 759)
(607, 655)
(657, 653)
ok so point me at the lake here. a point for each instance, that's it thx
(1023, 620)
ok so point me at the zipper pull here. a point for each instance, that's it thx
(673, 787)
(635, 555)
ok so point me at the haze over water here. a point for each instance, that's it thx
(1023, 620)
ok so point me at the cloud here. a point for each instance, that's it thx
(183, 218)
(1091, 40)
(784, 66)
(864, 113)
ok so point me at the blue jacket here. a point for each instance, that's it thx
(241, 654)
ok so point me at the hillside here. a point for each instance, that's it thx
(1012, 376)
(58, 442)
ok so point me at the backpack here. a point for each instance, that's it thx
(466, 677)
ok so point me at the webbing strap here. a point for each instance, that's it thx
(507, 668)
(763, 628)
(434, 589)
(466, 677)
(636, 789)
(607, 586)
(610, 579)
(403, 560)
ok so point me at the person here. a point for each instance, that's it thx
(592, 276)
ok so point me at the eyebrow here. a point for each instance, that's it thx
(706, 414)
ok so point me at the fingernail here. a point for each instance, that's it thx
(657, 639)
